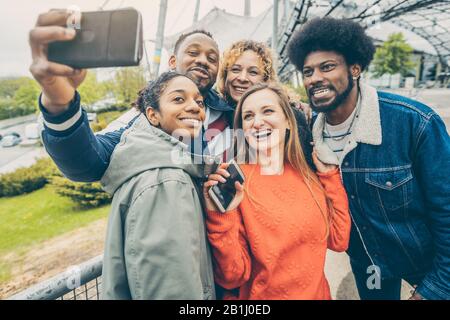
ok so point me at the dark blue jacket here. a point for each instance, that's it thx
(84, 156)
(395, 168)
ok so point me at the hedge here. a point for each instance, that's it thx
(25, 180)
(44, 171)
(86, 195)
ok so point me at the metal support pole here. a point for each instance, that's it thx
(197, 9)
(247, 10)
(160, 35)
(275, 26)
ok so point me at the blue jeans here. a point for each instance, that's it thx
(389, 289)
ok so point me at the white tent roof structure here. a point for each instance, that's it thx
(227, 28)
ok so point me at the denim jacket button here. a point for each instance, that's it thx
(352, 197)
(389, 184)
(346, 164)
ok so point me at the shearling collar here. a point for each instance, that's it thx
(367, 127)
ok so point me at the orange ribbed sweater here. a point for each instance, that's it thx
(273, 245)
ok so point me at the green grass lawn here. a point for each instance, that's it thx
(29, 219)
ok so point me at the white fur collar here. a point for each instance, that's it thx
(367, 127)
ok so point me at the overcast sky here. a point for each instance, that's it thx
(19, 16)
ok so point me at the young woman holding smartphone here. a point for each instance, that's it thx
(271, 242)
(156, 245)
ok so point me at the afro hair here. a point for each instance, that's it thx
(328, 34)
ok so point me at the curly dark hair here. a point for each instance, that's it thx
(345, 37)
(149, 95)
(183, 36)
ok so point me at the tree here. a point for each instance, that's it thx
(393, 57)
(26, 97)
(91, 90)
(18, 97)
(127, 83)
(9, 86)
(6, 109)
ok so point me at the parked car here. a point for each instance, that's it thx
(12, 133)
(32, 131)
(102, 104)
(11, 140)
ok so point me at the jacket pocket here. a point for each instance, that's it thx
(392, 188)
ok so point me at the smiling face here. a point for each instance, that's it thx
(198, 57)
(264, 122)
(246, 71)
(327, 79)
(180, 107)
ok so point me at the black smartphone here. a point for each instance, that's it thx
(105, 39)
(223, 193)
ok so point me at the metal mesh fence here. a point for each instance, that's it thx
(87, 291)
(82, 282)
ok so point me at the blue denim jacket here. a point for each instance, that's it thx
(396, 171)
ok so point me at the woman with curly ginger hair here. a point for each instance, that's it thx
(244, 64)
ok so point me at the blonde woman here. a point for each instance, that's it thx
(271, 242)
(247, 63)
